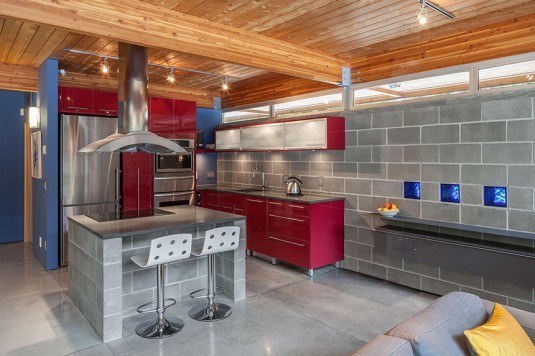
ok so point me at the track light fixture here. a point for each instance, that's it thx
(421, 18)
(225, 86)
(171, 76)
(104, 66)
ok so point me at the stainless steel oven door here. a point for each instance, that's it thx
(174, 184)
(161, 200)
(174, 163)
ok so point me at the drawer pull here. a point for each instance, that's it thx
(105, 110)
(288, 242)
(77, 108)
(226, 207)
(255, 201)
(296, 206)
(274, 203)
(284, 217)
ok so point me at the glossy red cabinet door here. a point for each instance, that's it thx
(105, 103)
(185, 114)
(256, 217)
(211, 200)
(137, 181)
(75, 100)
(161, 119)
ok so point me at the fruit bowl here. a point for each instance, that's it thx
(388, 213)
(388, 210)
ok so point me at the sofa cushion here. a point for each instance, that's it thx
(439, 328)
(384, 345)
(501, 335)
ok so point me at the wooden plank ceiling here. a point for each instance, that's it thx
(352, 30)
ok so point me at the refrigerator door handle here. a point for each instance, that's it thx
(117, 185)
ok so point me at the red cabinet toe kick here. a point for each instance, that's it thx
(305, 235)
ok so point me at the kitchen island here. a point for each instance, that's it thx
(106, 286)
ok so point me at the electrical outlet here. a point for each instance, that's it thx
(40, 242)
(321, 181)
(21, 111)
(44, 149)
(210, 174)
(44, 185)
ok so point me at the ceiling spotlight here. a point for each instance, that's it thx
(171, 76)
(224, 86)
(104, 66)
(62, 72)
(421, 18)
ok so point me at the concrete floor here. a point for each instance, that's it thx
(286, 313)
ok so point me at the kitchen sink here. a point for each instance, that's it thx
(249, 190)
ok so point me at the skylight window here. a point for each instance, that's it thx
(256, 113)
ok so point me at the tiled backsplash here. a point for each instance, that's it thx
(474, 142)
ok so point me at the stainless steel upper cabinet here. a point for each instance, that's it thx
(88, 178)
(228, 139)
(262, 137)
(305, 134)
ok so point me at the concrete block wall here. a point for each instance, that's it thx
(473, 141)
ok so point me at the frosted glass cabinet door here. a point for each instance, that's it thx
(228, 139)
(262, 137)
(306, 134)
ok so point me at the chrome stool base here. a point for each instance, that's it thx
(213, 312)
(159, 329)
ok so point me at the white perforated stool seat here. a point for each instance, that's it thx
(163, 250)
(217, 240)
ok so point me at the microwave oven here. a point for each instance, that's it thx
(176, 162)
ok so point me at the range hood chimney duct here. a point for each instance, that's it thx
(133, 110)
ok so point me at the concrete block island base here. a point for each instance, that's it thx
(106, 286)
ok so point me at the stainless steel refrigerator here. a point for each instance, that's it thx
(89, 182)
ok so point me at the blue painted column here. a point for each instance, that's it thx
(12, 163)
(45, 191)
(207, 120)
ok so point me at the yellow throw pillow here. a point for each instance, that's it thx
(501, 335)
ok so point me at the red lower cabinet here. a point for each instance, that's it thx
(305, 235)
(137, 181)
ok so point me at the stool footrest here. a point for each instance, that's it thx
(141, 309)
(195, 296)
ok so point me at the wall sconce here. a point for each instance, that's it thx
(34, 119)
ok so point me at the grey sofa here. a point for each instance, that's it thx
(439, 328)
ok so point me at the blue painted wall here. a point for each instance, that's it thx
(207, 120)
(12, 162)
(45, 191)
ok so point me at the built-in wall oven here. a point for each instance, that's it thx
(174, 177)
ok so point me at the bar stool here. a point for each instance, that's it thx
(163, 250)
(218, 240)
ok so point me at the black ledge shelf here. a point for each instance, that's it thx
(458, 226)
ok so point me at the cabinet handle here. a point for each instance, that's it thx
(288, 242)
(274, 203)
(296, 206)
(226, 207)
(236, 209)
(106, 110)
(77, 107)
(284, 217)
(255, 201)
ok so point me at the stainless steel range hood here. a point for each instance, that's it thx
(133, 110)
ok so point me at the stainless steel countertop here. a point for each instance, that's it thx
(305, 199)
(185, 216)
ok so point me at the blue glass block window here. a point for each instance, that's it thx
(496, 196)
(412, 190)
(450, 193)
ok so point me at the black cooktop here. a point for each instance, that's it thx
(122, 215)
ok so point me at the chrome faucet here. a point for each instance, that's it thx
(264, 183)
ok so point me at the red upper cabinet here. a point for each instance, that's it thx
(105, 103)
(185, 114)
(161, 120)
(75, 100)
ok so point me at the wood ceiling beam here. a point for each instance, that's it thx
(153, 26)
(19, 78)
(99, 82)
(440, 48)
